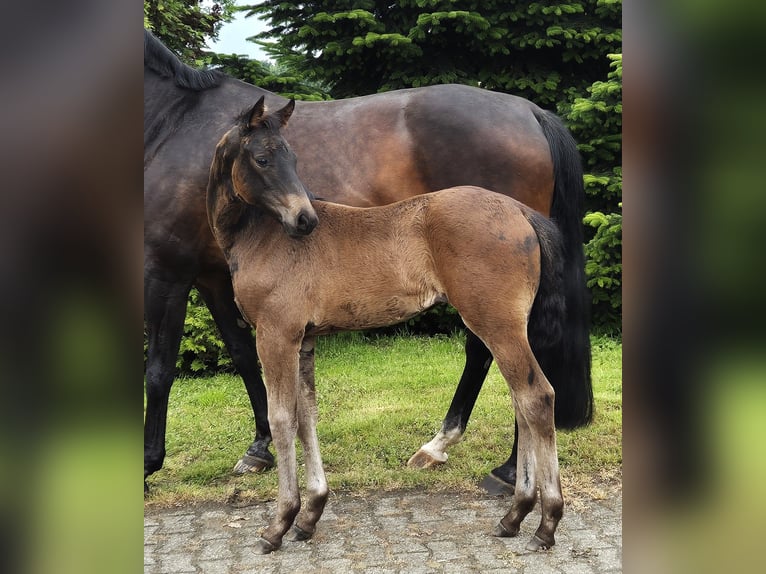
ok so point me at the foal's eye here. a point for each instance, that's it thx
(261, 161)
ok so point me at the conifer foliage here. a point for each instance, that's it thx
(596, 122)
(544, 51)
(184, 25)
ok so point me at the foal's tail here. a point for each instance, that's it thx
(566, 361)
(546, 327)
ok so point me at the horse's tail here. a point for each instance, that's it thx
(546, 327)
(566, 362)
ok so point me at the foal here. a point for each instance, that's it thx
(304, 268)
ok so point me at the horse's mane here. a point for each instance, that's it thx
(160, 59)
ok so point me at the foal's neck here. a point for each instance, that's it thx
(230, 217)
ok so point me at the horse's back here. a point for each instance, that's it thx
(365, 151)
(471, 212)
(382, 148)
(469, 135)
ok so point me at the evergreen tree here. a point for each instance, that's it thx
(184, 25)
(596, 122)
(547, 52)
(269, 76)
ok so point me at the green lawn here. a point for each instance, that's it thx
(380, 399)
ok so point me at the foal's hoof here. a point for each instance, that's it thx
(537, 544)
(423, 459)
(297, 534)
(496, 486)
(250, 463)
(263, 546)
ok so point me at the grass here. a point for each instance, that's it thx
(380, 399)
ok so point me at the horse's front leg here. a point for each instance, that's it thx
(316, 483)
(217, 292)
(165, 309)
(279, 357)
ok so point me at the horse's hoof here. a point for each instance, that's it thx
(502, 532)
(423, 459)
(250, 463)
(297, 534)
(537, 544)
(497, 486)
(263, 546)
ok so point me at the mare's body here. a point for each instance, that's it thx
(362, 151)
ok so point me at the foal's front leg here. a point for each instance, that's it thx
(279, 357)
(316, 483)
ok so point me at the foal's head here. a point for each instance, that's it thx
(263, 172)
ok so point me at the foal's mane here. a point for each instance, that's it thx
(226, 212)
(159, 58)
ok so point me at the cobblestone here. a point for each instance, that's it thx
(390, 533)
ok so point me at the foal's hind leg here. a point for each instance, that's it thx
(316, 483)
(219, 297)
(533, 399)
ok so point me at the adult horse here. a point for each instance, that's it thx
(364, 151)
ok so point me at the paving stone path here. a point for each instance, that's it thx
(408, 532)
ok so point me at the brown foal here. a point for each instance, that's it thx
(303, 268)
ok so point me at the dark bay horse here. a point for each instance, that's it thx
(302, 269)
(365, 151)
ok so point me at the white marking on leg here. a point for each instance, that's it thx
(438, 445)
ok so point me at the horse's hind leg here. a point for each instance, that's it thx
(533, 399)
(237, 336)
(502, 479)
(316, 483)
(477, 362)
(478, 359)
(165, 310)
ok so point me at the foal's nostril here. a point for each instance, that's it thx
(305, 224)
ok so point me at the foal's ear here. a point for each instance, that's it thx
(285, 113)
(256, 114)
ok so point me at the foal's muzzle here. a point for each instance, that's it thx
(304, 224)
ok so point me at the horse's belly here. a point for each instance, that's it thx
(368, 313)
